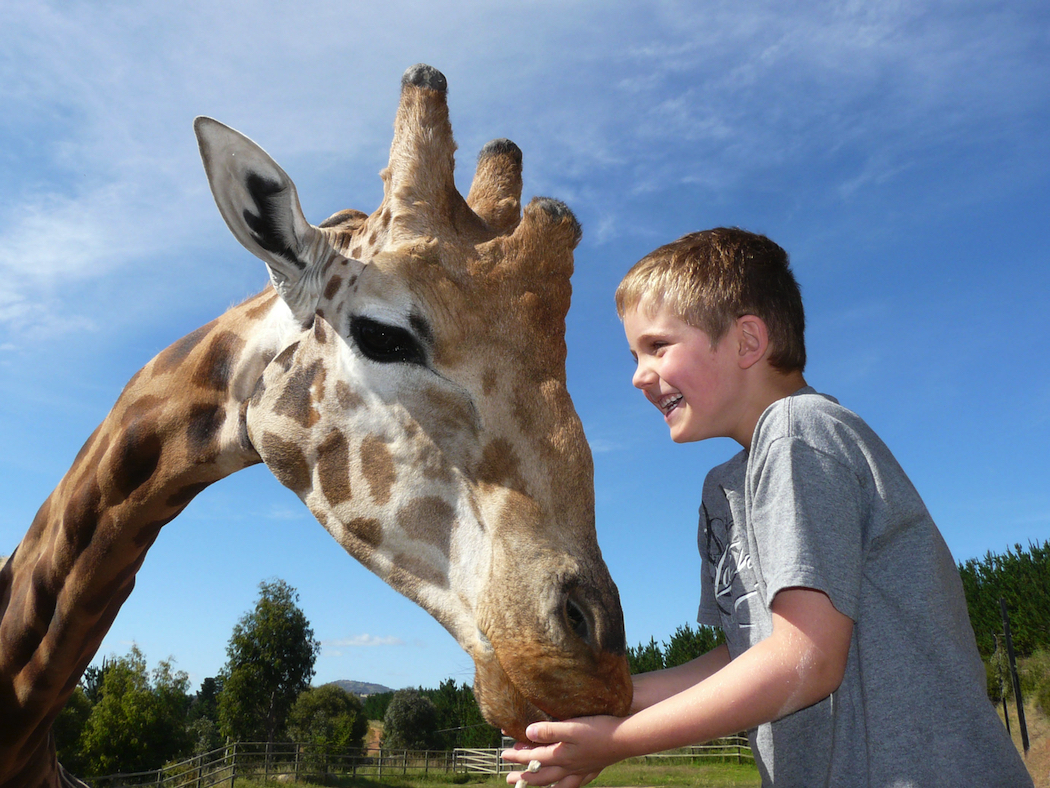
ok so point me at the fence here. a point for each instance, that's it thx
(293, 762)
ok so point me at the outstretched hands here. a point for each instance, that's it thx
(570, 753)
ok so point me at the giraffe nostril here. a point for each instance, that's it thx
(577, 620)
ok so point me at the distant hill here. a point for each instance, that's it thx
(361, 689)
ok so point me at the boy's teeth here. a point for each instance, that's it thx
(669, 403)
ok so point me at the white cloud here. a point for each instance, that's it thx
(337, 647)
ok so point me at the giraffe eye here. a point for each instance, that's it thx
(385, 343)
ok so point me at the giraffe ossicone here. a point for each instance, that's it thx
(405, 377)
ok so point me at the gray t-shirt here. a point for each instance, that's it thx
(820, 502)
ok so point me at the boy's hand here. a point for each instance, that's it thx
(571, 753)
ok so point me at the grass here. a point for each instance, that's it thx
(619, 776)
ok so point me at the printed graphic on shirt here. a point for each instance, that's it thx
(730, 560)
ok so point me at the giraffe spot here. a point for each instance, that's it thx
(372, 238)
(524, 409)
(488, 382)
(333, 468)
(356, 251)
(137, 453)
(428, 519)
(216, 368)
(500, 465)
(263, 307)
(81, 514)
(171, 357)
(181, 498)
(285, 358)
(112, 595)
(148, 533)
(377, 465)
(320, 332)
(333, 287)
(287, 462)
(410, 573)
(348, 398)
(45, 589)
(367, 530)
(295, 400)
(202, 431)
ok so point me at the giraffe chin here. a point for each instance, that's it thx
(501, 702)
(508, 704)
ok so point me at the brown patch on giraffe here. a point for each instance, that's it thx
(285, 358)
(148, 533)
(333, 287)
(524, 408)
(347, 397)
(378, 468)
(500, 465)
(488, 382)
(180, 498)
(287, 462)
(203, 425)
(173, 356)
(266, 299)
(217, 366)
(410, 572)
(428, 519)
(333, 468)
(296, 401)
(320, 332)
(136, 454)
(367, 530)
(82, 512)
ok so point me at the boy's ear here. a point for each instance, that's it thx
(752, 340)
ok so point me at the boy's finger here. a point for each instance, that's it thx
(543, 732)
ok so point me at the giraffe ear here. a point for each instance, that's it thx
(259, 203)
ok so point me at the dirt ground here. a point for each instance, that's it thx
(1038, 759)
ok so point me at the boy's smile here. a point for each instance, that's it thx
(695, 385)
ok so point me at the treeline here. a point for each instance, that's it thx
(431, 719)
(123, 717)
(1021, 577)
(685, 644)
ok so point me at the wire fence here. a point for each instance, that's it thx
(289, 763)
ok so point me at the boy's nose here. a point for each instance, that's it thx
(643, 376)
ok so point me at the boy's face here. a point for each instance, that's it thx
(697, 387)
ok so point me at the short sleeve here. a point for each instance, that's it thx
(807, 517)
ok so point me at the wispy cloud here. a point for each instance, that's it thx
(339, 646)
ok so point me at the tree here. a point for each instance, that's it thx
(411, 722)
(645, 659)
(68, 727)
(459, 719)
(139, 721)
(329, 718)
(1022, 578)
(271, 657)
(687, 644)
(203, 717)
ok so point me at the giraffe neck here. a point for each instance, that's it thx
(177, 427)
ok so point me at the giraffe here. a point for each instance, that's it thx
(403, 373)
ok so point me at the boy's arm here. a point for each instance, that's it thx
(651, 688)
(801, 663)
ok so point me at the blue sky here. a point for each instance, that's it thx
(898, 151)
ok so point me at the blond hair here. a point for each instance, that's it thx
(709, 279)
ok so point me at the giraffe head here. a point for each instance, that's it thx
(419, 404)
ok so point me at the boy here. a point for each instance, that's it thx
(849, 657)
